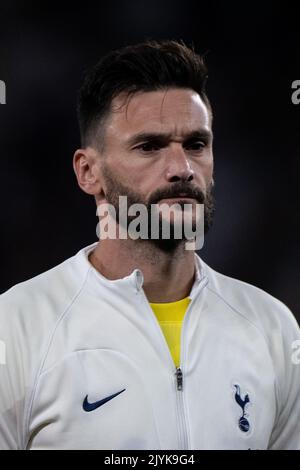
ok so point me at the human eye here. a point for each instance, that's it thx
(196, 145)
(149, 147)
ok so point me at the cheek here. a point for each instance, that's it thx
(130, 168)
(210, 169)
(204, 169)
(139, 172)
(137, 179)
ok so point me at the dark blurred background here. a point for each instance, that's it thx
(253, 53)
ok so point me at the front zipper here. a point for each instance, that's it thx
(179, 378)
(179, 371)
(183, 434)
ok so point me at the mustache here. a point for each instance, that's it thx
(176, 190)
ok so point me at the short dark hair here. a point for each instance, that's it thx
(147, 66)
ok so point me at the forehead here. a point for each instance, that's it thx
(175, 111)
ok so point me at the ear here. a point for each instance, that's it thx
(86, 164)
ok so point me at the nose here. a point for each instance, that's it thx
(178, 168)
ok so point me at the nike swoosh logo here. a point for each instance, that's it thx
(93, 406)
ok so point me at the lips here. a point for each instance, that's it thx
(180, 196)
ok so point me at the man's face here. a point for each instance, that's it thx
(158, 149)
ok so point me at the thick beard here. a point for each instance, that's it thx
(115, 189)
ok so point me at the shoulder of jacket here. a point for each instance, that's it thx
(251, 302)
(41, 300)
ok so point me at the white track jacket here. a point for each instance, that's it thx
(84, 365)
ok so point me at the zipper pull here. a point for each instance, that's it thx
(179, 378)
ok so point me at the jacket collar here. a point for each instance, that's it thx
(136, 278)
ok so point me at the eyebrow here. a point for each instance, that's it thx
(199, 134)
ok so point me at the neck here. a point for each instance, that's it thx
(168, 276)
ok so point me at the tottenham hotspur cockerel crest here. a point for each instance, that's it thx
(244, 424)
